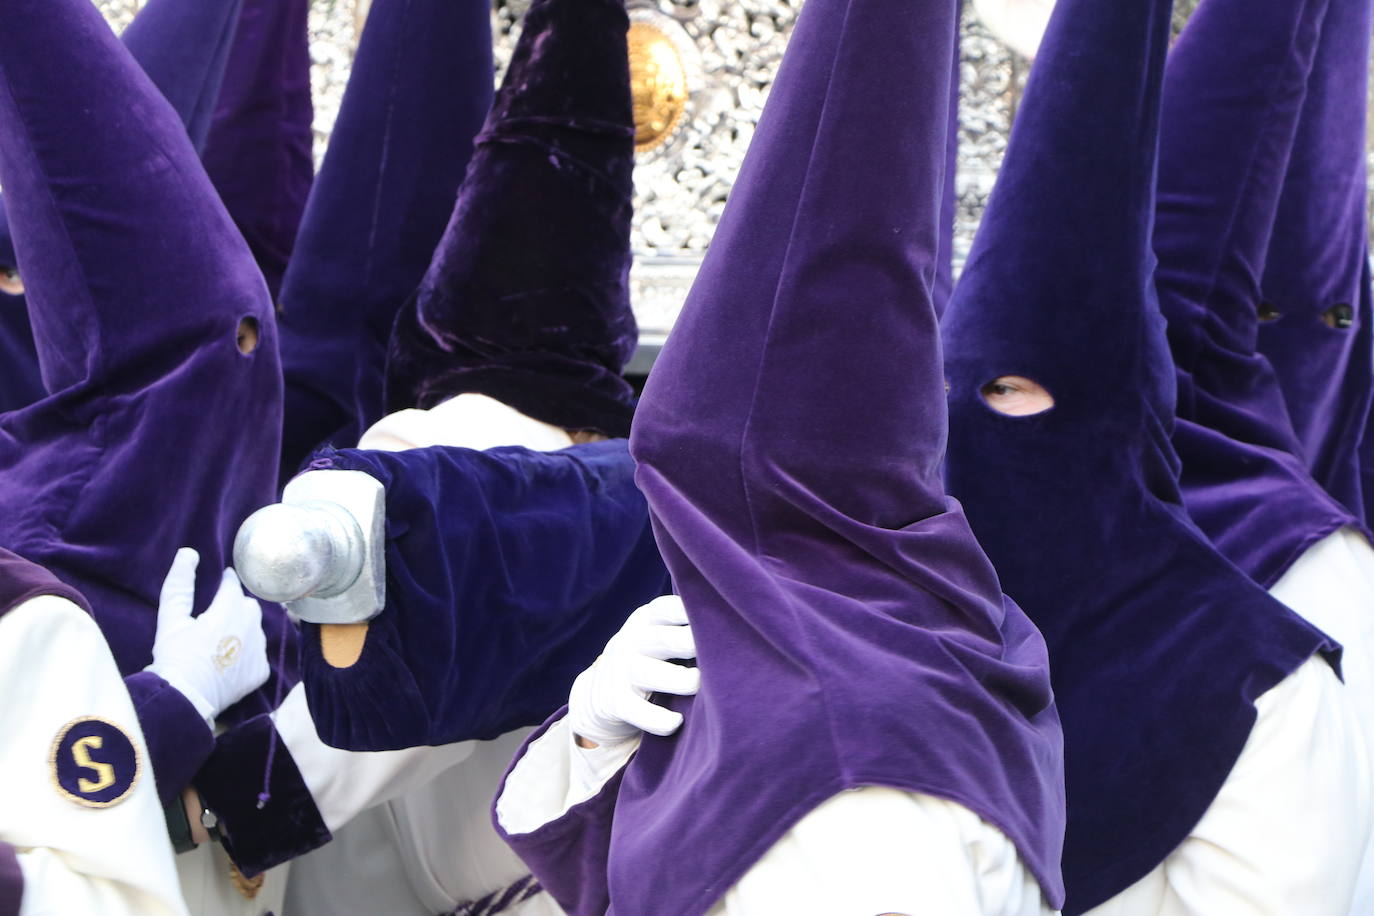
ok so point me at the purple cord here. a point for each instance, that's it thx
(265, 795)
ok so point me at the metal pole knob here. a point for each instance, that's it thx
(322, 550)
(287, 552)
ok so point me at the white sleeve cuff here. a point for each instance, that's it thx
(553, 775)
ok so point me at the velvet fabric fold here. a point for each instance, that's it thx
(1158, 645)
(849, 629)
(258, 152)
(159, 431)
(420, 86)
(1317, 320)
(527, 299)
(183, 47)
(1233, 96)
(507, 572)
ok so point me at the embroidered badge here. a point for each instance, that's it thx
(94, 763)
(227, 652)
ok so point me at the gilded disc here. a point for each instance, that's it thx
(658, 84)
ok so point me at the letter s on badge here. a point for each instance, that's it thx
(94, 763)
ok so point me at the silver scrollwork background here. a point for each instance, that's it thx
(682, 185)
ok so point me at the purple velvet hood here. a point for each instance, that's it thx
(1316, 325)
(183, 48)
(527, 298)
(420, 86)
(850, 630)
(158, 432)
(258, 153)
(1158, 645)
(1232, 98)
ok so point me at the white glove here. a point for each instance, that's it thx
(215, 659)
(609, 702)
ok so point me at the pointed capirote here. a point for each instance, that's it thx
(420, 86)
(155, 333)
(1158, 646)
(259, 150)
(1234, 90)
(789, 443)
(1316, 324)
(949, 192)
(527, 299)
(183, 47)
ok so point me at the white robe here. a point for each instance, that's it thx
(1286, 834)
(412, 829)
(864, 852)
(206, 884)
(1332, 587)
(425, 851)
(55, 667)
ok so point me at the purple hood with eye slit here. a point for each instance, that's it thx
(182, 47)
(1158, 645)
(1317, 273)
(158, 431)
(1231, 114)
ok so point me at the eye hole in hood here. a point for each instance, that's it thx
(1016, 396)
(10, 281)
(1340, 316)
(248, 335)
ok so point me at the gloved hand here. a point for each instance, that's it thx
(215, 659)
(610, 703)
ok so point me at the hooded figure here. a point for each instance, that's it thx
(156, 340)
(61, 692)
(154, 332)
(506, 569)
(258, 153)
(1231, 110)
(527, 299)
(183, 48)
(1159, 647)
(420, 86)
(566, 529)
(849, 631)
(1316, 325)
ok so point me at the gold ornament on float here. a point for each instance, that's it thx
(658, 84)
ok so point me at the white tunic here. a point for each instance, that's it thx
(55, 668)
(424, 852)
(865, 852)
(412, 829)
(209, 888)
(1285, 835)
(1332, 586)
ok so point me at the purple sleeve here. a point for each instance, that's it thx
(266, 812)
(178, 739)
(569, 855)
(11, 881)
